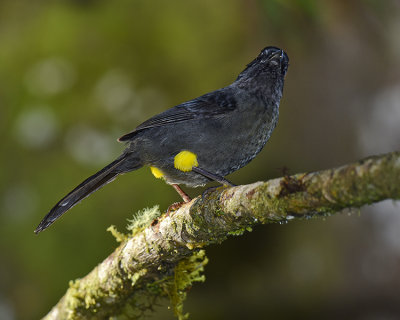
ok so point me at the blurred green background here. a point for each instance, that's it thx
(76, 75)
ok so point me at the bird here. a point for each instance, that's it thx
(201, 140)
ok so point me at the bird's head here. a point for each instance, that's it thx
(271, 63)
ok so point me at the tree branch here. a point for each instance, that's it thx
(162, 258)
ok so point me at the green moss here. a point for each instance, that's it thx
(136, 276)
(142, 219)
(185, 274)
(238, 232)
(119, 236)
(78, 300)
(91, 299)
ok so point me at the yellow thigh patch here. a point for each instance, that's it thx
(185, 161)
(156, 172)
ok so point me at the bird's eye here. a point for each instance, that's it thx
(266, 52)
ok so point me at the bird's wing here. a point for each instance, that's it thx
(207, 106)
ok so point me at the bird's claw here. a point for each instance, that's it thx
(175, 206)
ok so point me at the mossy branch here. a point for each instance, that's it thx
(162, 256)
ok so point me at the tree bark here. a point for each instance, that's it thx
(162, 256)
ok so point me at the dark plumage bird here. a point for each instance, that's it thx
(201, 140)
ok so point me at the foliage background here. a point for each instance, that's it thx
(75, 75)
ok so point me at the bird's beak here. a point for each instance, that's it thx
(277, 56)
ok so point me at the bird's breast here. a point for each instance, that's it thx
(252, 135)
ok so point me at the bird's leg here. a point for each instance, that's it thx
(213, 176)
(182, 193)
(184, 196)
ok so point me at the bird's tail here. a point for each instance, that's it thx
(125, 163)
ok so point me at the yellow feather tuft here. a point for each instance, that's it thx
(157, 172)
(185, 161)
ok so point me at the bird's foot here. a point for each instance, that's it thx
(175, 206)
